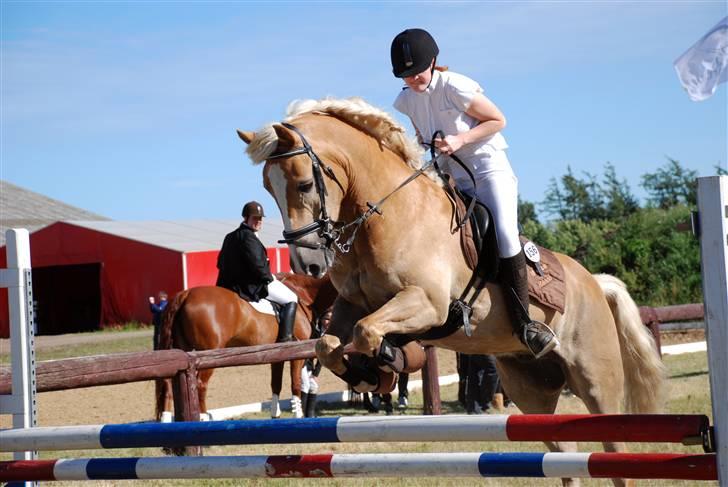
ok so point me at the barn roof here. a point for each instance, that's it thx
(182, 235)
(22, 208)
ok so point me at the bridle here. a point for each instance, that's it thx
(323, 226)
(333, 232)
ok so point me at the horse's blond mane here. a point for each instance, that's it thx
(354, 111)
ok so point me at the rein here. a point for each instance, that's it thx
(448, 188)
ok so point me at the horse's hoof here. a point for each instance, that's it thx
(330, 353)
(176, 451)
(365, 341)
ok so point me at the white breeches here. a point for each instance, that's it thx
(280, 293)
(498, 190)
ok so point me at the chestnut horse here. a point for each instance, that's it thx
(397, 269)
(210, 317)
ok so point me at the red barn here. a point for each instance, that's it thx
(88, 274)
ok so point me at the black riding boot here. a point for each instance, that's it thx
(287, 319)
(310, 410)
(537, 337)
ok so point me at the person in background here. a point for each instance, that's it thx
(310, 387)
(311, 371)
(482, 384)
(403, 394)
(479, 387)
(157, 310)
(244, 269)
(438, 100)
(380, 401)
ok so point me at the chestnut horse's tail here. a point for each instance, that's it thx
(644, 372)
(163, 386)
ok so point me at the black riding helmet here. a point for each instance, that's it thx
(253, 208)
(412, 52)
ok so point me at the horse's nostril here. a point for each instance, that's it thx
(314, 270)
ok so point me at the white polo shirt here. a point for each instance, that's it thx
(442, 106)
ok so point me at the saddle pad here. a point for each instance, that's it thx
(549, 289)
(263, 306)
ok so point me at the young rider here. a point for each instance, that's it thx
(436, 99)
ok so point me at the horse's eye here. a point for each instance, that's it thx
(305, 187)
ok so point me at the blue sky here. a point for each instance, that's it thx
(129, 109)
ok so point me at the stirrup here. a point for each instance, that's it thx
(541, 328)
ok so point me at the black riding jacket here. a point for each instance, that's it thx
(243, 264)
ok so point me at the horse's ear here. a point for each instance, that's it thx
(286, 139)
(246, 137)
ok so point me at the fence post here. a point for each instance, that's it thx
(431, 383)
(21, 403)
(186, 400)
(713, 232)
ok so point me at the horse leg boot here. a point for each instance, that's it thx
(408, 358)
(361, 376)
(537, 337)
(287, 319)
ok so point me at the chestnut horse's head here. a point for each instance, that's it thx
(307, 165)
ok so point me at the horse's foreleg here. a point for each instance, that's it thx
(330, 351)
(203, 379)
(276, 377)
(360, 376)
(164, 400)
(330, 348)
(296, 404)
(276, 384)
(410, 311)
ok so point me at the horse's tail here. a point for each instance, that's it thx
(644, 372)
(162, 386)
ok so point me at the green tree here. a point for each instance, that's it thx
(574, 199)
(671, 185)
(618, 198)
(526, 211)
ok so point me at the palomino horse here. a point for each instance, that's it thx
(397, 269)
(209, 317)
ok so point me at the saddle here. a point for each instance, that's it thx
(480, 248)
(477, 237)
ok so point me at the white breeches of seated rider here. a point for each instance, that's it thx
(280, 293)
